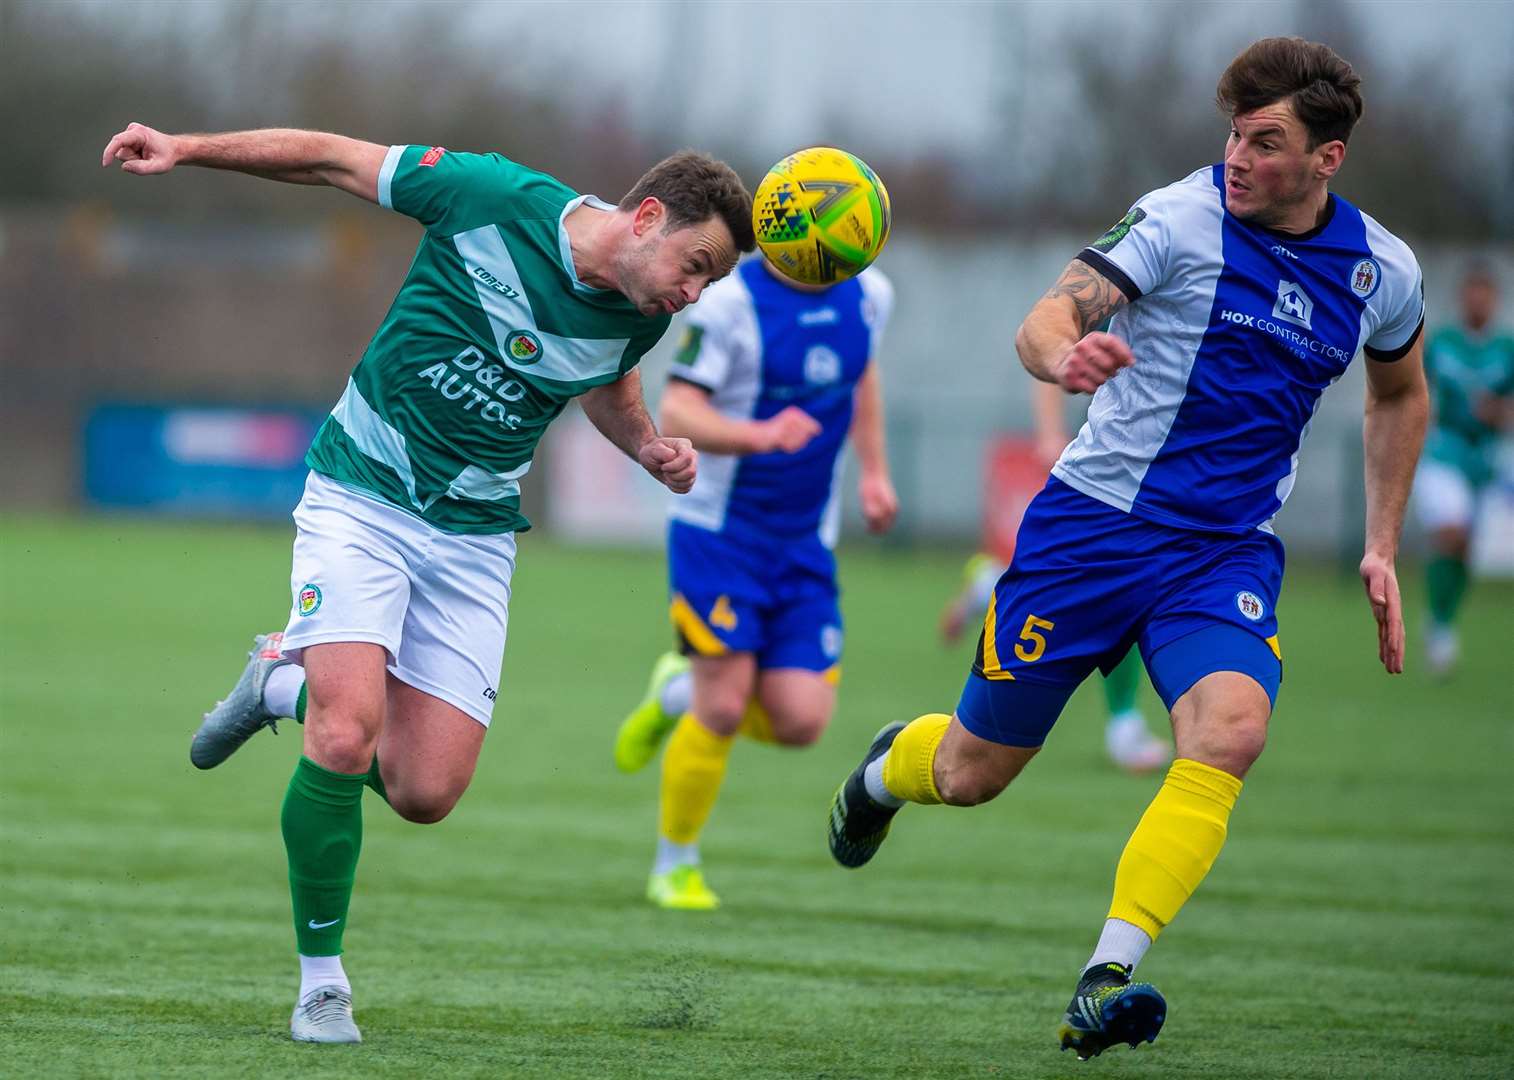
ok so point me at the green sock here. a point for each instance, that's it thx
(299, 705)
(1123, 684)
(375, 779)
(323, 833)
(1446, 577)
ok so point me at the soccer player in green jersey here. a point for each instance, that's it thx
(1471, 370)
(523, 295)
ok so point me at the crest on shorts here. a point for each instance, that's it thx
(308, 599)
(523, 346)
(1366, 275)
(830, 642)
(1250, 605)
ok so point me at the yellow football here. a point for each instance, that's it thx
(821, 215)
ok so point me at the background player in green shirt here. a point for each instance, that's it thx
(522, 295)
(1470, 367)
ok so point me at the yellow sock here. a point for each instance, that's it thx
(693, 765)
(909, 770)
(756, 724)
(1175, 844)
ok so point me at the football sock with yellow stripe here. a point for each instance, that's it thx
(909, 766)
(1174, 845)
(693, 767)
(322, 821)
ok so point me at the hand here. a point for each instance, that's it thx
(1092, 362)
(880, 503)
(672, 462)
(789, 431)
(1381, 582)
(142, 150)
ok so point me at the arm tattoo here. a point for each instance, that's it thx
(1093, 295)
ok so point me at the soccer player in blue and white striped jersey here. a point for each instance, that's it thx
(1239, 294)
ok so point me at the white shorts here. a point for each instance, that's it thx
(438, 602)
(1443, 499)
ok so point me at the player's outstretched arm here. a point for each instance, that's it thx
(1398, 410)
(285, 154)
(686, 411)
(875, 488)
(618, 410)
(1057, 341)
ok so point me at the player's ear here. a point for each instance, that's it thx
(648, 217)
(1329, 158)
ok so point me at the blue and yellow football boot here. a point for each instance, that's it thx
(1107, 1008)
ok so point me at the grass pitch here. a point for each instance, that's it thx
(1357, 924)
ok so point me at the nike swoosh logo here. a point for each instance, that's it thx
(322, 925)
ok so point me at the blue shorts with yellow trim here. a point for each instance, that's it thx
(1087, 582)
(775, 597)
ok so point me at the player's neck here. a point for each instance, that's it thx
(1308, 215)
(590, 239)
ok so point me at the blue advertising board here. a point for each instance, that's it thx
(189, 460)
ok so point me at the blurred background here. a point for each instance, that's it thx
(171, 343)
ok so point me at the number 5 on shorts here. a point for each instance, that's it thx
(1031, 633)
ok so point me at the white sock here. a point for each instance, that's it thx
(1130, 718)
(872, 779)
(1120, 943)
(677, 696)
(670, 856)
(282, 689)
(318, 971)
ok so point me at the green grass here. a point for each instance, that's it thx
(1357, 924)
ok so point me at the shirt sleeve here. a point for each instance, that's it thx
(706, 347)
(450, 192)
(1403, 306)
(877, 306)
(1136, 251)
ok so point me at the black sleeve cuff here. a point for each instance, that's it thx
(676, 377)
(1104, 265)
(1387, 356)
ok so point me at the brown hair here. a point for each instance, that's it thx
(695, 187)
(1324, 91)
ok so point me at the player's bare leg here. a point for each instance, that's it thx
(427, 753)
(693, 768)
(1220, 727)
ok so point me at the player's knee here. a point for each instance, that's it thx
(423, 804)
(800, 727)
(970, 785)
(722, 713)
(1232, 739)
(340, 743)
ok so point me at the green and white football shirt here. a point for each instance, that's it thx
(490, 337)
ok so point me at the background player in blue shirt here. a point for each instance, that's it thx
(1239, 294)
(770, 380)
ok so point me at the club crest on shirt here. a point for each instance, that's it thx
(1250, 605)
(308, 600)
(1119, 231)
(1366, 275)
(523, 346)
